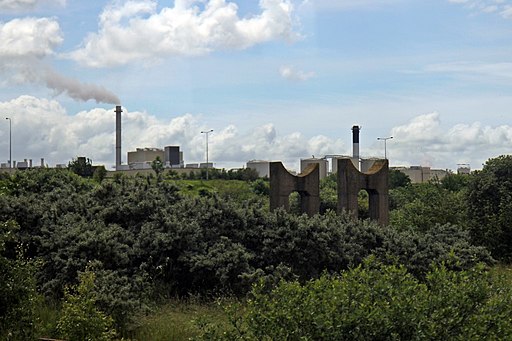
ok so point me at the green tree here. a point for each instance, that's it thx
(81, 319)
(158, 166)
(81, 166)
(17, 287)
(99, 173)
(490, 206)
(398, 179)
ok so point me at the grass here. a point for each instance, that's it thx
(178, 320)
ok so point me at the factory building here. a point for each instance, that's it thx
(323, 165)
(260, 166)
(142, 158)
(419, 174)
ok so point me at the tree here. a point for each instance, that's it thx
(81, 166)
(99, 173)
(158, 167)
(489, 203)
(398, 179)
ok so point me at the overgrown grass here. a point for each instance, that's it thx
(178, 320)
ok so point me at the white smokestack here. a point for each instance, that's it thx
(118, 136)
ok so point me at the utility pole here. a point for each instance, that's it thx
(10, 141)
(206, 134)
(385, 139)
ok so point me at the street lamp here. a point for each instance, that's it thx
(10, 141)
(385, 140)
(206, 134)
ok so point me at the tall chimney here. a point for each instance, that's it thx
(118, 136)
(355, 141)
(42, 162)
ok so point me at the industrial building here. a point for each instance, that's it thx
(260, 166)
(323, 165)
(142, 158)
(419, 174)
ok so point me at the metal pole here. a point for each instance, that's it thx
(206, 133)
(10, 142)
(385, 139)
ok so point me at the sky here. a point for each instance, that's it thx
(274, 79)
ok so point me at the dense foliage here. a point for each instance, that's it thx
(490, 206)
(145, 240)
(377, 302)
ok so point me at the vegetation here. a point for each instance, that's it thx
(377, 302)
(103, 253)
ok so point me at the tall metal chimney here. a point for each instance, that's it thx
(118, 136)
(355, 142)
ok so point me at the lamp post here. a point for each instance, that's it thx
(10, 141)
(385, 139)
(206, 134)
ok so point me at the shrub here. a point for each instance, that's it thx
(81, 319)
(17, 287)
(379, 302)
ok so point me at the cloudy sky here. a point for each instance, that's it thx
(274, 79)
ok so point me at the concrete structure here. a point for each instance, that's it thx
(419, 174)
(173, 157)
(307, 184)
(118, 136)
(323, 165)
(375, 182)
(145, 155)
(260, 166)
(367, 164)
(206, 165)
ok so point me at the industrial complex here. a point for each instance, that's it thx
(172, 157)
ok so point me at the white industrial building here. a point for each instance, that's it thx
(260, 166)
(323, 165)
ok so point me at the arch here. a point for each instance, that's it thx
(375, 182)
(307, 184)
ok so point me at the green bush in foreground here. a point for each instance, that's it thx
(80, 319)
(379, 302)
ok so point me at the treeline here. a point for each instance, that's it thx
(145, 240)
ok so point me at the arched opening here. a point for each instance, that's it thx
(363, 204)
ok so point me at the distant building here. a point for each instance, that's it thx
(323, 165)
(142, 158)
(419, 174)
(260, 166)
(464, 169)
(173, 157)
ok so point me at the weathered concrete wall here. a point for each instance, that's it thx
(375, 182)
(307, 184)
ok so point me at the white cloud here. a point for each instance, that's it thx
(29, 37)
(26, 5)
(25, 44)
(42, 128)
(423, 141)
(293, 74)
(502, 7)
(135, 31)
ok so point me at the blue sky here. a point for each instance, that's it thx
(275, 79)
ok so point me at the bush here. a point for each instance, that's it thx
(490, 207)
(81, 320)
(379, 302)
(17, 287)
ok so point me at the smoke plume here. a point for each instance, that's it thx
(78, 90)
